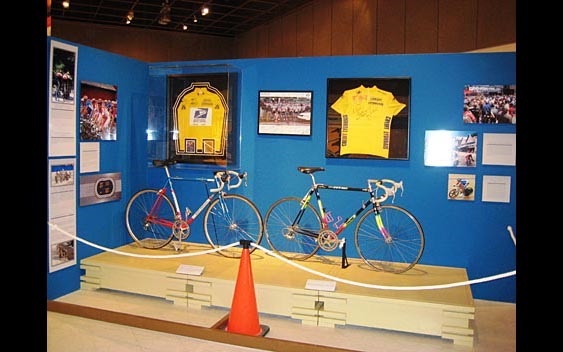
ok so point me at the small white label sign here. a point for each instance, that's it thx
(189, 269)
(320, 285)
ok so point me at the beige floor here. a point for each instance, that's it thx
(494, 325)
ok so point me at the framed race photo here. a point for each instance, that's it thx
(488, 103)
(98, 111)
(285, 112)
(450, 148)
(368, 118)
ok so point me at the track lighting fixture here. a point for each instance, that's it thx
(165, 14)
(129, 17)
(204, 10)
(195, 19)
(66, 4)
(184, 27)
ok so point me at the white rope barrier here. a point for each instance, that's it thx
(301, 267)
(380, 287)
(142, 255)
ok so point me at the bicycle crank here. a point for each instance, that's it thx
(181, 229)
(328, 240)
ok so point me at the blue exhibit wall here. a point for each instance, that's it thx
(466, 234)
(102, 223)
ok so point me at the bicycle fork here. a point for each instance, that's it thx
(226, 214)
(379, 223)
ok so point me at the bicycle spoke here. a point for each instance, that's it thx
(397, 253)
(231, 219)
(149, 218)
(293, 241)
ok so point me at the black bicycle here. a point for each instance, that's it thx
(387, 237)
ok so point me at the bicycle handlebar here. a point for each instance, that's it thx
(225, 177)
(390, 191)
(220, 177)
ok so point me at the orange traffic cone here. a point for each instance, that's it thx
(243, 318)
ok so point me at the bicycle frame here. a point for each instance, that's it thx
(314, 190)
(177, 210)
(153, 217)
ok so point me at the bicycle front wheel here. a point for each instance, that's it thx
(288, 236)
(453, 193)
(232, 218)
(398, 252)
(146, 217)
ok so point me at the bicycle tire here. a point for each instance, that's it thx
(402, 252)
(280, 233)
(145, 233)
(232, 218)
(453, 193)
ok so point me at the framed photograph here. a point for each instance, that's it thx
(202, 123)
(450, 148)
(98, 111)
(285, 112)
(487, 103)
(461, 187)
(368, 118)
(63, 73)
(62, 103)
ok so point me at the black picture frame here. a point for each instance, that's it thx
(373, 121)
(203, 125)
(285, 112)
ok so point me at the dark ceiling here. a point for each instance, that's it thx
(227, 18)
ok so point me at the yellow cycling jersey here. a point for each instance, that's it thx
(366, 115)
(200, 117)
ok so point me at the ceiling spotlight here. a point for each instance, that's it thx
(165, 18)
(184, 27)
(130, 16)
(66, 4)
(195, 19)
(204, 10)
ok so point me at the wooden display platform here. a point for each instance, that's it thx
(280, 289)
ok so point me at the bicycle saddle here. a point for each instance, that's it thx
(159, 163)
(309, 170)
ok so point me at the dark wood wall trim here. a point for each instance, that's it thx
(421, 26)
(323, 28)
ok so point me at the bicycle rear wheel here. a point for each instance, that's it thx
(143, 214)
(401, 251)
(232, 218)
(288, 240)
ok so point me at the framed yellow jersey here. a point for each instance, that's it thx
(201, 126)
(200, 119)
(368, 118)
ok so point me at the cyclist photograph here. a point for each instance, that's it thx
(461, 187)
